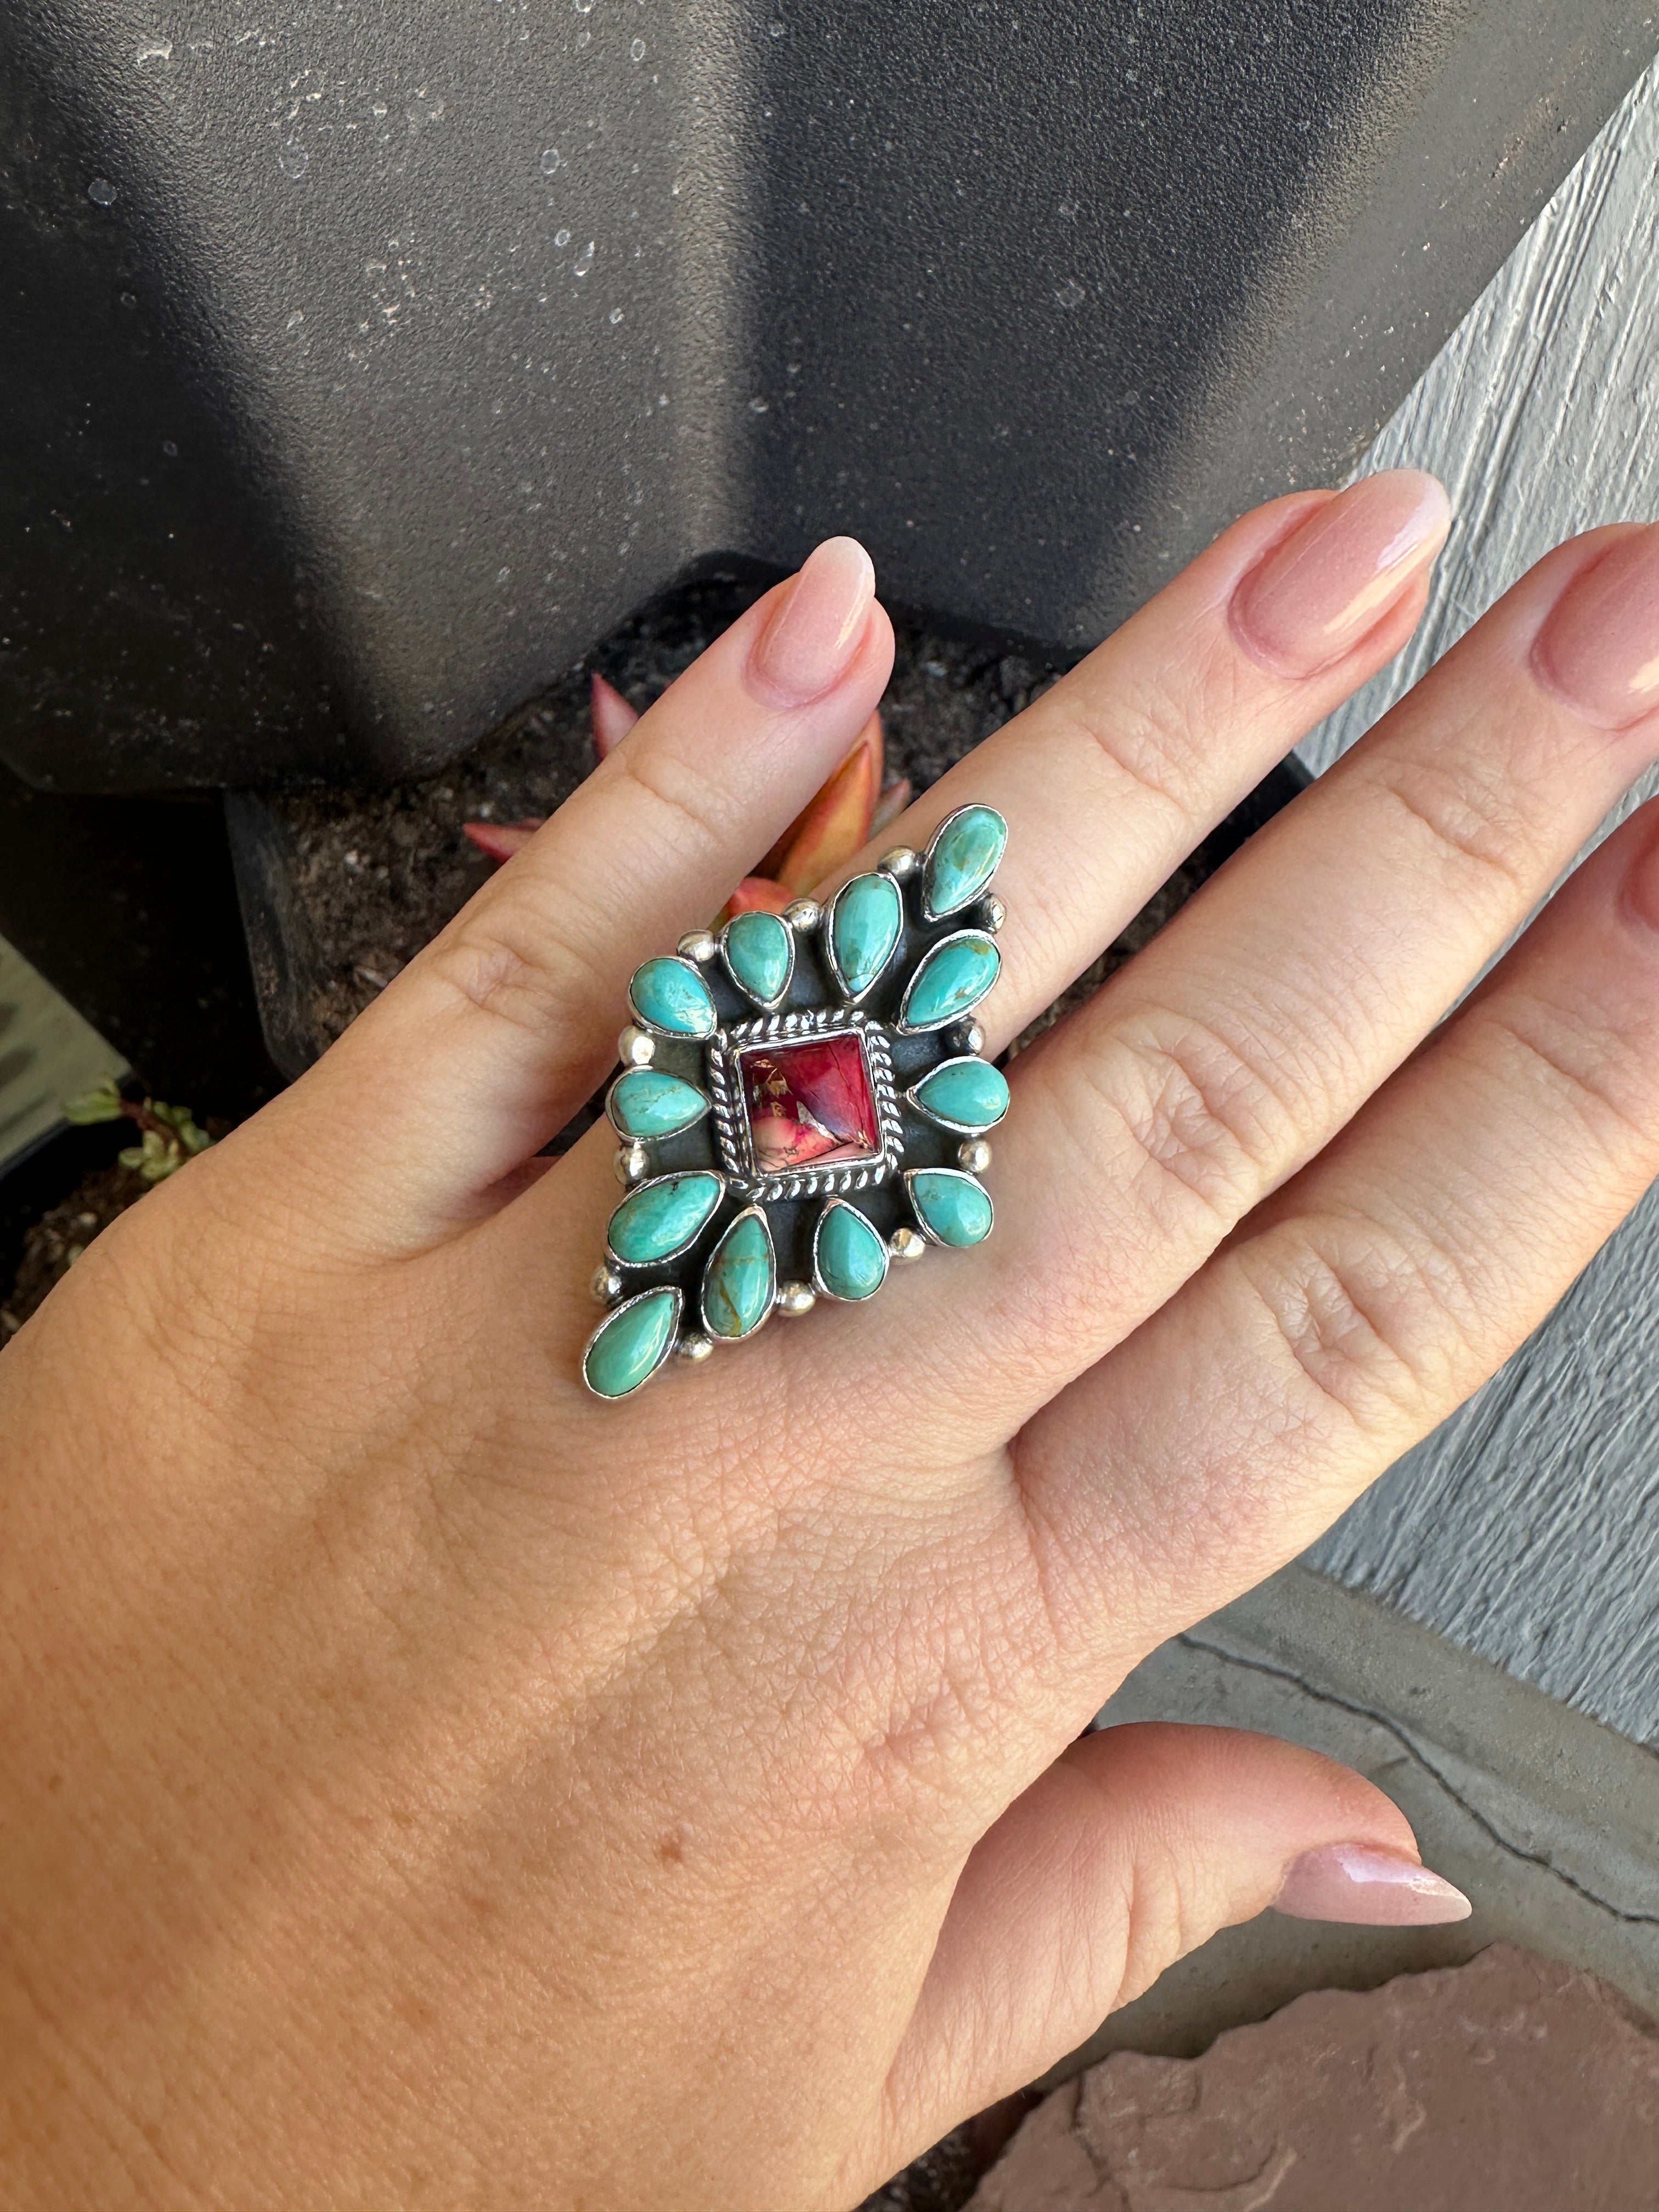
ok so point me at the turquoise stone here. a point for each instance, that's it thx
(661, 1218)
(969, 1095)
(741, 1278)
(760, 952)
(864, 920)
(951, 981)
(646, 1102)
(628, 1348)
(950, 1205)
(670, 995)
(965, 855)
(849, 1257)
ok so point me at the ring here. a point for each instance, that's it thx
(803, 1100)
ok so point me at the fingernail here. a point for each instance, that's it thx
(1336, 577)
(1358, 1882)
(816, 629)
(1599, 647)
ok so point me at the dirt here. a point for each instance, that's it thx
(51, 1248)
(379, 873)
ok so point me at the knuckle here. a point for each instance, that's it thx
(1151, 737)
(1207, 1116)
(693, 816)
(1476, 824)
(519, 970)
(1581, 1070)
(1382, 1326)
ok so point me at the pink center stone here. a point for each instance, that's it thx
(809, 1104)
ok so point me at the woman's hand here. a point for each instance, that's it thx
(425, 1785)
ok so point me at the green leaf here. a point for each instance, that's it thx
(133, 1158)
(101, 1103)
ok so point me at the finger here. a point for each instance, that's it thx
(491, 1039)
(1261, 1019)
(1134, 1848)
(1111, 779)
(1373, 1294)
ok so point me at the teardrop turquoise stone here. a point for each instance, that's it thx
(965, 854)
(669, 994)
(964, 1094)
(849, 1255)
(952, 1204)
(628, 1349)
(865, 921)
(758, 951)
(662, 1218)
(646, 1102)
(951, 981)
(741, 1278)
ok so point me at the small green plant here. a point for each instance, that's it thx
(169, 1135)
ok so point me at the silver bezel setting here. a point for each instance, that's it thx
(830, 962)
(660, 1258)
(958, 1175)
(738, 983)
(929, 911)
(715, 1337)
(732, 1120)
(818, 1283)
(942, 1121)
(655, 1028)
(908, 1028)
(670, 1343)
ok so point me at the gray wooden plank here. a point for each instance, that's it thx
(1527, 1529)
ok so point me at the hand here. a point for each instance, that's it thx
(425, 1784)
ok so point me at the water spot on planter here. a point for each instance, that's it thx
(584, 260)
(292, 161)
(101, 192)
(582, 7)
(1071, 293)
(757, 406)
(616, 314)
(551, 160)
(561, 238)
(776, 30)
(636, 52)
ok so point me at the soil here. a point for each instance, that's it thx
(378, 873)
(51, 1248)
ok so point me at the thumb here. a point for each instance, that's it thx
(1134, 1848)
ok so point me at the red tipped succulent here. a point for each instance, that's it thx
(842, 816)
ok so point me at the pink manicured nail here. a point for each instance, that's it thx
(1358, 1882)
(1599, 647)
(1338, 575)
(816, 629)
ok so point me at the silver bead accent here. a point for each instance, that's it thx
(634, 1049)
(605, 1284)
(994, 913)
(699, 945)
(904, 861)
(907, 1244)
(971, 1037)
(693, 1348)
(975, 1155)
(796, 1298)
(633, 1164)
(802, 914)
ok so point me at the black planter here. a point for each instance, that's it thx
(363, 364)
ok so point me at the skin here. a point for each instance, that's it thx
(425, 1785)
